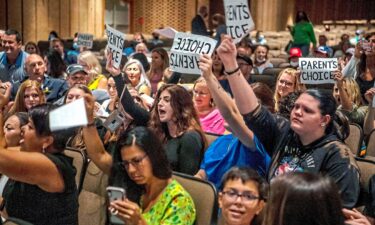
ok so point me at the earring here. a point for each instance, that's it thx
(323, 124)
(43, 150)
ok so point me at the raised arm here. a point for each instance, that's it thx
(94, 145)
(244, 96)
(345, 101)
(369, 123)
(225, 104)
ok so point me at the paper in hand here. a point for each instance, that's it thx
(69, 115)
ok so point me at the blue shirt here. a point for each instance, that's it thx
(227, 151)
(15, 72)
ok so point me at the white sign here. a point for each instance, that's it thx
(238, 19)
(85, 40)
(185, 52)
(69, 115)
(115, 40)
(317, 70)
(167, 32)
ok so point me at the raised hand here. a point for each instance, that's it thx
(205, 65)
(227, 52)
(90, 107)
(109, 66)
(369, 95)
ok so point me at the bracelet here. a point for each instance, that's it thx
(232, 72)
(91, 124)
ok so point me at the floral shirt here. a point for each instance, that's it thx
(175, 206)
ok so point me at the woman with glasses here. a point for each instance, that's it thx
(141, 166)
(209, 116)
(287, 82)
(242, 196)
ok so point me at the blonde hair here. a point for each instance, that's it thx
(353, 90)
(91, 60)
(297, 84)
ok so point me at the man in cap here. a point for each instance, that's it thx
(321, 52)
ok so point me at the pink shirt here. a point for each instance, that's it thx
(213, 122)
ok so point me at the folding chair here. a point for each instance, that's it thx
(371, 144)
(204, 196)
(80, 162)
(367, 169)
(355, 138)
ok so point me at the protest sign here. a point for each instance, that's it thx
(317, 70)
(116, 41)
(85, 40)
(167, 32)
(238, 19)
(69, 115)
(186, 50)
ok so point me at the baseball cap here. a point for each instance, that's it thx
(245, 58)
(75, 68)
(322, 49)
(295, 52)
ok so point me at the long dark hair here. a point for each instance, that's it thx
(57, 66)
(339, 124)
(362, 65)
(301, 16)
(303, 198)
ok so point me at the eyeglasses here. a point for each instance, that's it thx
(136, 162)
(232, 195)
(200, 93)
(286, 83)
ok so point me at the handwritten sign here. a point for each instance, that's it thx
(69, 115)
(115, 40)
(238, 19)
(186, 50)
(317, 70)
(85, 40)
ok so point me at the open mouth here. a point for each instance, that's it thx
(162, 112)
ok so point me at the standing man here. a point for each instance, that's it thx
(12, 59)
(198, 26)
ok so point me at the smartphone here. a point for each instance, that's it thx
(115, 193)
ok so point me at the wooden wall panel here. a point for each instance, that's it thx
(3, 15)
(74, 16)
(15, 15)
(41, 25)
(29, 21)
(54, 16)
(83, 16)
(65, 19)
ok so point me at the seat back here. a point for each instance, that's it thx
(367, 170)
(80, 162)
(204, 196)
(371, 144)
(16, 221)
(270, 80)
(355, 138)
(277, 61)
(272, 71)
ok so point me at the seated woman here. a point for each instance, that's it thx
(29, 94)
(42, 188)
(209, 116)
(217, 67)
(348, 98)
(252, 188)
(96, 80)
(174, 120)
(142, 162)
(137, 78)
(111, 104)
(287, 81)
(240, 149)
(159, 62)
(261, 59)
(310, 142)
(12, 128)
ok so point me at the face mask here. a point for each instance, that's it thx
(75, 46)
(261, 60)
(294, 64)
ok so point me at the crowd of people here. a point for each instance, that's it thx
(280, 157)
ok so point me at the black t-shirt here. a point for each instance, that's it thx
(30, 203)
(364, 86)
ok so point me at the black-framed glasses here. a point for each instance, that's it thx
(246, 196)
(136, 162)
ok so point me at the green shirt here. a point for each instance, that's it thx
(303, 33)
(175, 206)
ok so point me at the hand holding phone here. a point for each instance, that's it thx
(114, 194)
